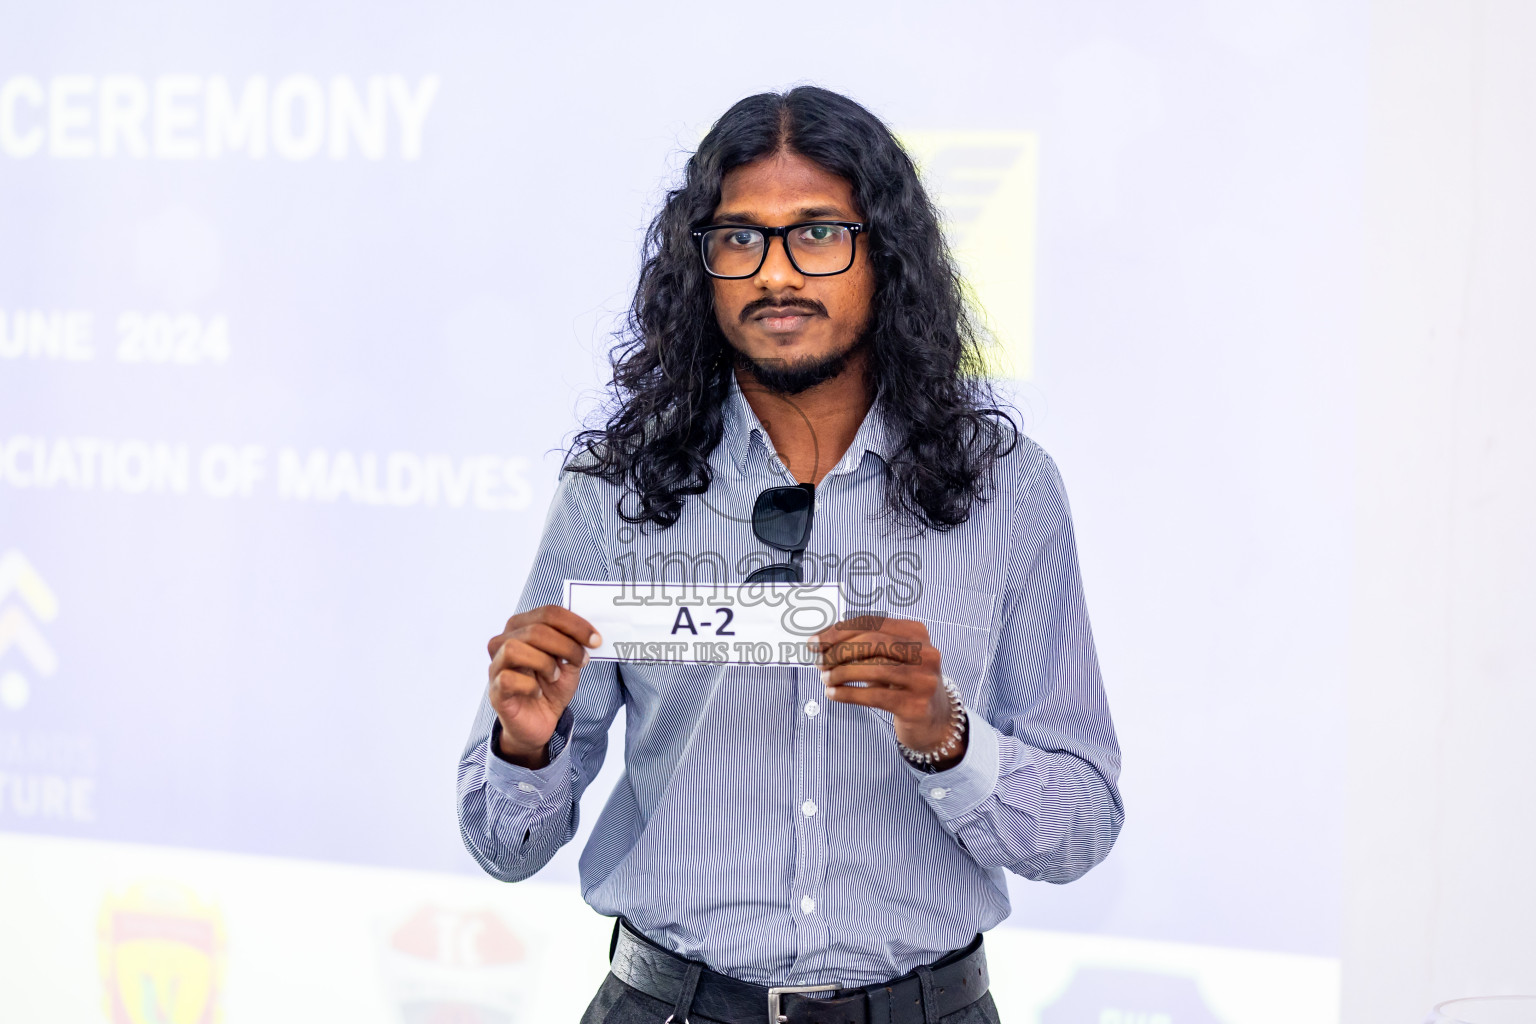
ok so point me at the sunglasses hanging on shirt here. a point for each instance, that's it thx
(781, 518)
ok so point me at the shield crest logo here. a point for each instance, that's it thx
(161, 953)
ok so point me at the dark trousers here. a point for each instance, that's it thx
(617, 1003)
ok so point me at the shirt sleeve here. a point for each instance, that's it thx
(512, 818)
(1037, 790)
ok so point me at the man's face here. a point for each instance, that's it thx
(779, 319)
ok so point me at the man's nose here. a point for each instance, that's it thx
(777, 271)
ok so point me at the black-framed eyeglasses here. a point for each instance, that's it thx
(781, 518)
(816, 248)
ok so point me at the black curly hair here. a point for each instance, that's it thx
(672, 366)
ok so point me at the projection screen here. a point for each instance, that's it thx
(298, 305)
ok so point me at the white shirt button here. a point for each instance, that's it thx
(808, 808)
(812, 709)
(938, 792)
(807, 905)
(527, 787)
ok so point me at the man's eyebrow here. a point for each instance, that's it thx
(802, 214)
(821, 213)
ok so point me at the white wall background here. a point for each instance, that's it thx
(1440, 891)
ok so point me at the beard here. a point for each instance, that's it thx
(782, 377)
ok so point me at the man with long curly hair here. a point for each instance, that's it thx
(798, 396)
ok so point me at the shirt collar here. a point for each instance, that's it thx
(742, 426)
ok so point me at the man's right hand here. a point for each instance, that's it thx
(535, 666)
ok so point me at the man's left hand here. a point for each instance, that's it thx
(901, 673)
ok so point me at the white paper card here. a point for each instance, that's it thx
(725, 624)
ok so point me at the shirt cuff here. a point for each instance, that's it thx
(515, 781)
(960, 790)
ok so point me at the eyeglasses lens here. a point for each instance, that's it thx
(814, 248)
(782, 517)
(779, 572)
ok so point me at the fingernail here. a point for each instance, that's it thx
(831, 693)
(555, 674)
(595, 640)
(826, 678)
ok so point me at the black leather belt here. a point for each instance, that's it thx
(922, 997)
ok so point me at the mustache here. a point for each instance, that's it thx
(758, 305)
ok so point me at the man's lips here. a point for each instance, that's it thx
(783, 318)
(786, 324)
(778, 312)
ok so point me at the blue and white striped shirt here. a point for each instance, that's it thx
(777, 836)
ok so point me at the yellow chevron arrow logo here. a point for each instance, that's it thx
(985, 181)
(17, 630)
(17, 574)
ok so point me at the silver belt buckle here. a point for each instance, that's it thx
(774, 1016)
